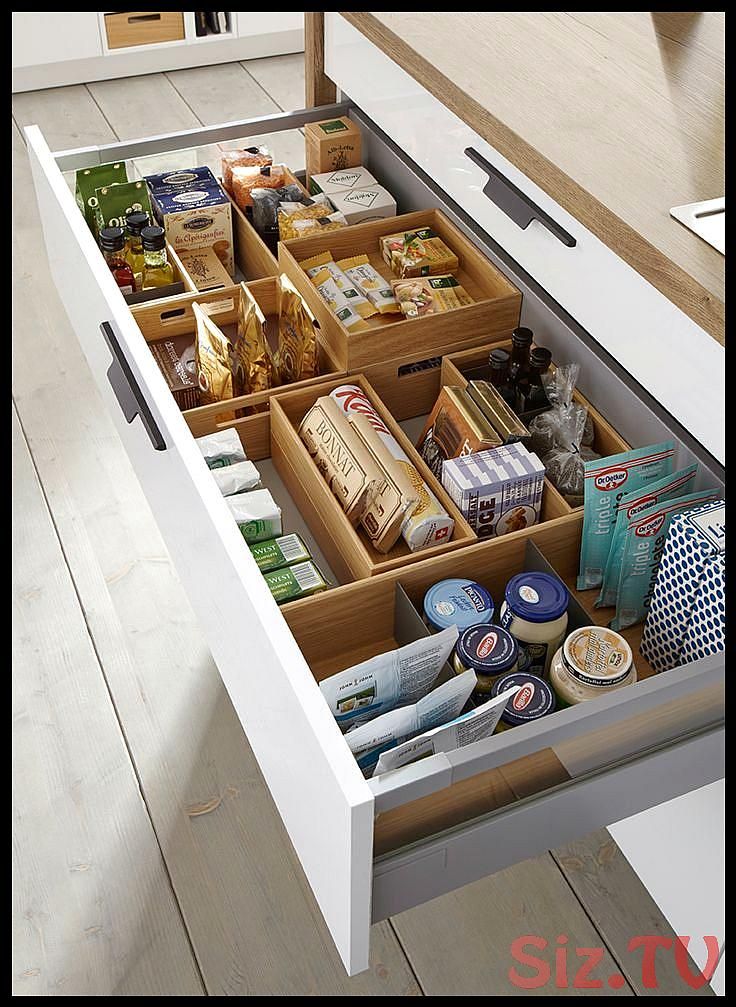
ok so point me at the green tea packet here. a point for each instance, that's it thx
(115, 202)
(292, 582)
(606, 480)
(644, 541)
(631, 505)
(88, 180)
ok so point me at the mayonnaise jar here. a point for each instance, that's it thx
(593, 661)
(534, 611)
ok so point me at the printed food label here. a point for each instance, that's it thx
(487, 644)
(524, 696)
(528, 594)
(444, 608)
(712, 525)
(650, 527)
(611, 479)
(333, 127)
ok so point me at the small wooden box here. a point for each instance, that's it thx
(348, 550)
(458, 368)
(495, 311)
(135, 27)
(331, 145)
(175, 317)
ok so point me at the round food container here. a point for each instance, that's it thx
(457, 602)
(592, 661)
(534, 699)
(490, 651)
(535, 612)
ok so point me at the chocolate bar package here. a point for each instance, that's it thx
(455, 427)
(175, 356)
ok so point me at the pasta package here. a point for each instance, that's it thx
(248, 157)
(324, 260)
(250, 356)
(296, 357)
(212, 358)
(429, 295)
(297, 219)
(244, 180)
(339, 454)
(338, 303)
(368, 280)
(266, 204)
(418, 253)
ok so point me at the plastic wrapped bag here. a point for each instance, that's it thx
(266, 204)
(248, 157)
(563, 435)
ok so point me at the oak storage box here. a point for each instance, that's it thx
(496, 307)
(133, 27)
(336, 820)
(348, 549)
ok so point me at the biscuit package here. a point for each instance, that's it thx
(324, 260)
(429, 295)
(368, 280)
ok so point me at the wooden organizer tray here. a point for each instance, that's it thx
(361, 621)
(389, 337)
(607, 441)
(348, 549)
(175, 317)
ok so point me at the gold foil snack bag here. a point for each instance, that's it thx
(296, 357)
(250, 356)
(212, 358)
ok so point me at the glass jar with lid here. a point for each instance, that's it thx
(490, 652)
(593, 661)
(535, 612)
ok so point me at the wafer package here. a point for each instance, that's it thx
(606, 481)
(455, 427)
(370, 282)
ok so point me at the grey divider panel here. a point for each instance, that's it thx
(409, 626)
(535, 560)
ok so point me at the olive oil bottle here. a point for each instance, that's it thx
(157, 270)
(135, 222)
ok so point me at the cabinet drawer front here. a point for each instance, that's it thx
(321, 795)
(643, 330)
(129, 28)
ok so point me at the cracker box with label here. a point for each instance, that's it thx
(498, 491)
(341, 181)
(694, 538)
(331, 145)
(195, 212)
(369, 203)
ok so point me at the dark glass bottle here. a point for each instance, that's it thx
(112, 244)
(532, 390)
(521, 341)
(498, 362)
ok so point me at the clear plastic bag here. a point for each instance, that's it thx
(563, 435)
(266, 204)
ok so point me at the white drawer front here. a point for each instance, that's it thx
(663, 349)
(324, 801)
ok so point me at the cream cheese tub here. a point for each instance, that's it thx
(593, 661)
(457, 602)
(534, 611)
(490, 652)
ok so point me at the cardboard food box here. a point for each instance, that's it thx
(356, 205)
(331, 145)
(176, 360)
(497, 491)
(341, 181)
(195, 212)
(694, 537)
(706, 631)
(204, 268)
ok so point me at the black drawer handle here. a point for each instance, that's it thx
(509, 198)
(127, 390)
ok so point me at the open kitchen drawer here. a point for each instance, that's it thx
(371, 848)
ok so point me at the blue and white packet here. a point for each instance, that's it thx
(644, 544)
(631, 505)
(706, 631)
(606, 482)
(694, 539)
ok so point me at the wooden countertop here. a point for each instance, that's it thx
(617, 116)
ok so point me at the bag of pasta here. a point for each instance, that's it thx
(296, 357)
(562, 437)
(266, 204)
(297, 220)
(250, 355)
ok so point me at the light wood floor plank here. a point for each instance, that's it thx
(612, 894)
(282, 77)
(460, 944)
(68, 116)
(249, 912)
(93, 911)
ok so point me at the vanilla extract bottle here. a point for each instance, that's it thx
(157, 270)
(521, 341)
(532, 390)
(112, 245)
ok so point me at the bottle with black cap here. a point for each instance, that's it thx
(521, 341)
(112, 245)
(498, 363)
(532, 390)
(134, 224)
(157, 270)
